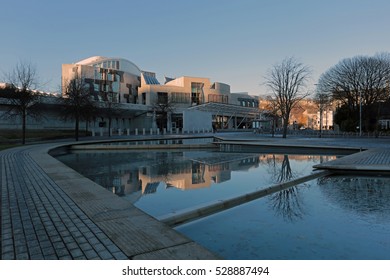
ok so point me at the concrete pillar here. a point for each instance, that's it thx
(127, 132)
(93, 132)
(143, 131)
(151, 131)
(101, 131)
(136, 131)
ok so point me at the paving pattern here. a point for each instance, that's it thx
(39, 221)
(373, 160)
(49, 211)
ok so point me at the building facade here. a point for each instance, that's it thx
(167, 106)
(142, 103)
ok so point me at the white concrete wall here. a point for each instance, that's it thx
(197, 120)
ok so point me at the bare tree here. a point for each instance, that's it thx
(111, 108)
(357, 83)
(287, 81)
(163, 107)
(322, 100)
(78, 102)
(23, 97)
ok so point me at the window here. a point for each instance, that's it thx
(196, 93)
(144, 98)
(162, 98)
(218, 98)
(180, 97)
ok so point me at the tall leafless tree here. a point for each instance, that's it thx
(163, 106)
(360, 81)
(322, 100)
(287, 82)
(78, 102)
(24, 98)
(110, 108)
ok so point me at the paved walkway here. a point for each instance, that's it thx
(48, 211)
(39, 221)
(373, 160)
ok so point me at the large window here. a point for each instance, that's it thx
(180, 97)
(196, 93)
(218, 98)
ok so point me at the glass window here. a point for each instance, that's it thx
(196, 93)
(162, 97)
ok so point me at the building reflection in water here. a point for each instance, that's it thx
(125, 173)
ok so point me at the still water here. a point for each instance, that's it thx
(336, 217)
(164, 182)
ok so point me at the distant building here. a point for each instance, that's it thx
(109, 78)
(194, 103)
(184, 104)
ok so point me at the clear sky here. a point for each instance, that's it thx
(233, 42)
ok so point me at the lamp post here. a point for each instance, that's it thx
(360, 113)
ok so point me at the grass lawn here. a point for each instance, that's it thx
(11, 138)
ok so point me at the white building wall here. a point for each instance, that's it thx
(197, 120)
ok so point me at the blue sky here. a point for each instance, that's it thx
(233, 42)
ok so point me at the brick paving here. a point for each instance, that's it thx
(38, 219)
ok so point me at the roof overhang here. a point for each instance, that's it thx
(227, 109)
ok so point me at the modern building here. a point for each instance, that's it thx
(132, 100)
(180, 104)
(113, 79)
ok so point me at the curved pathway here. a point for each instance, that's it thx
(49, 211)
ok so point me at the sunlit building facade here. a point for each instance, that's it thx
(178, 104)
(110, 79)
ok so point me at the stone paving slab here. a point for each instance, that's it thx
(39, 221)
(373, 160)
(49, 211)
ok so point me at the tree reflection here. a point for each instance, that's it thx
(285, 171)
(288, 204)
(280, 172)
(367, 196)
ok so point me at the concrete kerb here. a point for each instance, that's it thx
(187, 215)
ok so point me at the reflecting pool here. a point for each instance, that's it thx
(327, 218)
(164, 182)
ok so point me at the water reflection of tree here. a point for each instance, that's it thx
(288, 204)
(164, 168)
(285, 171)
(367, 196)
(280, 172)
